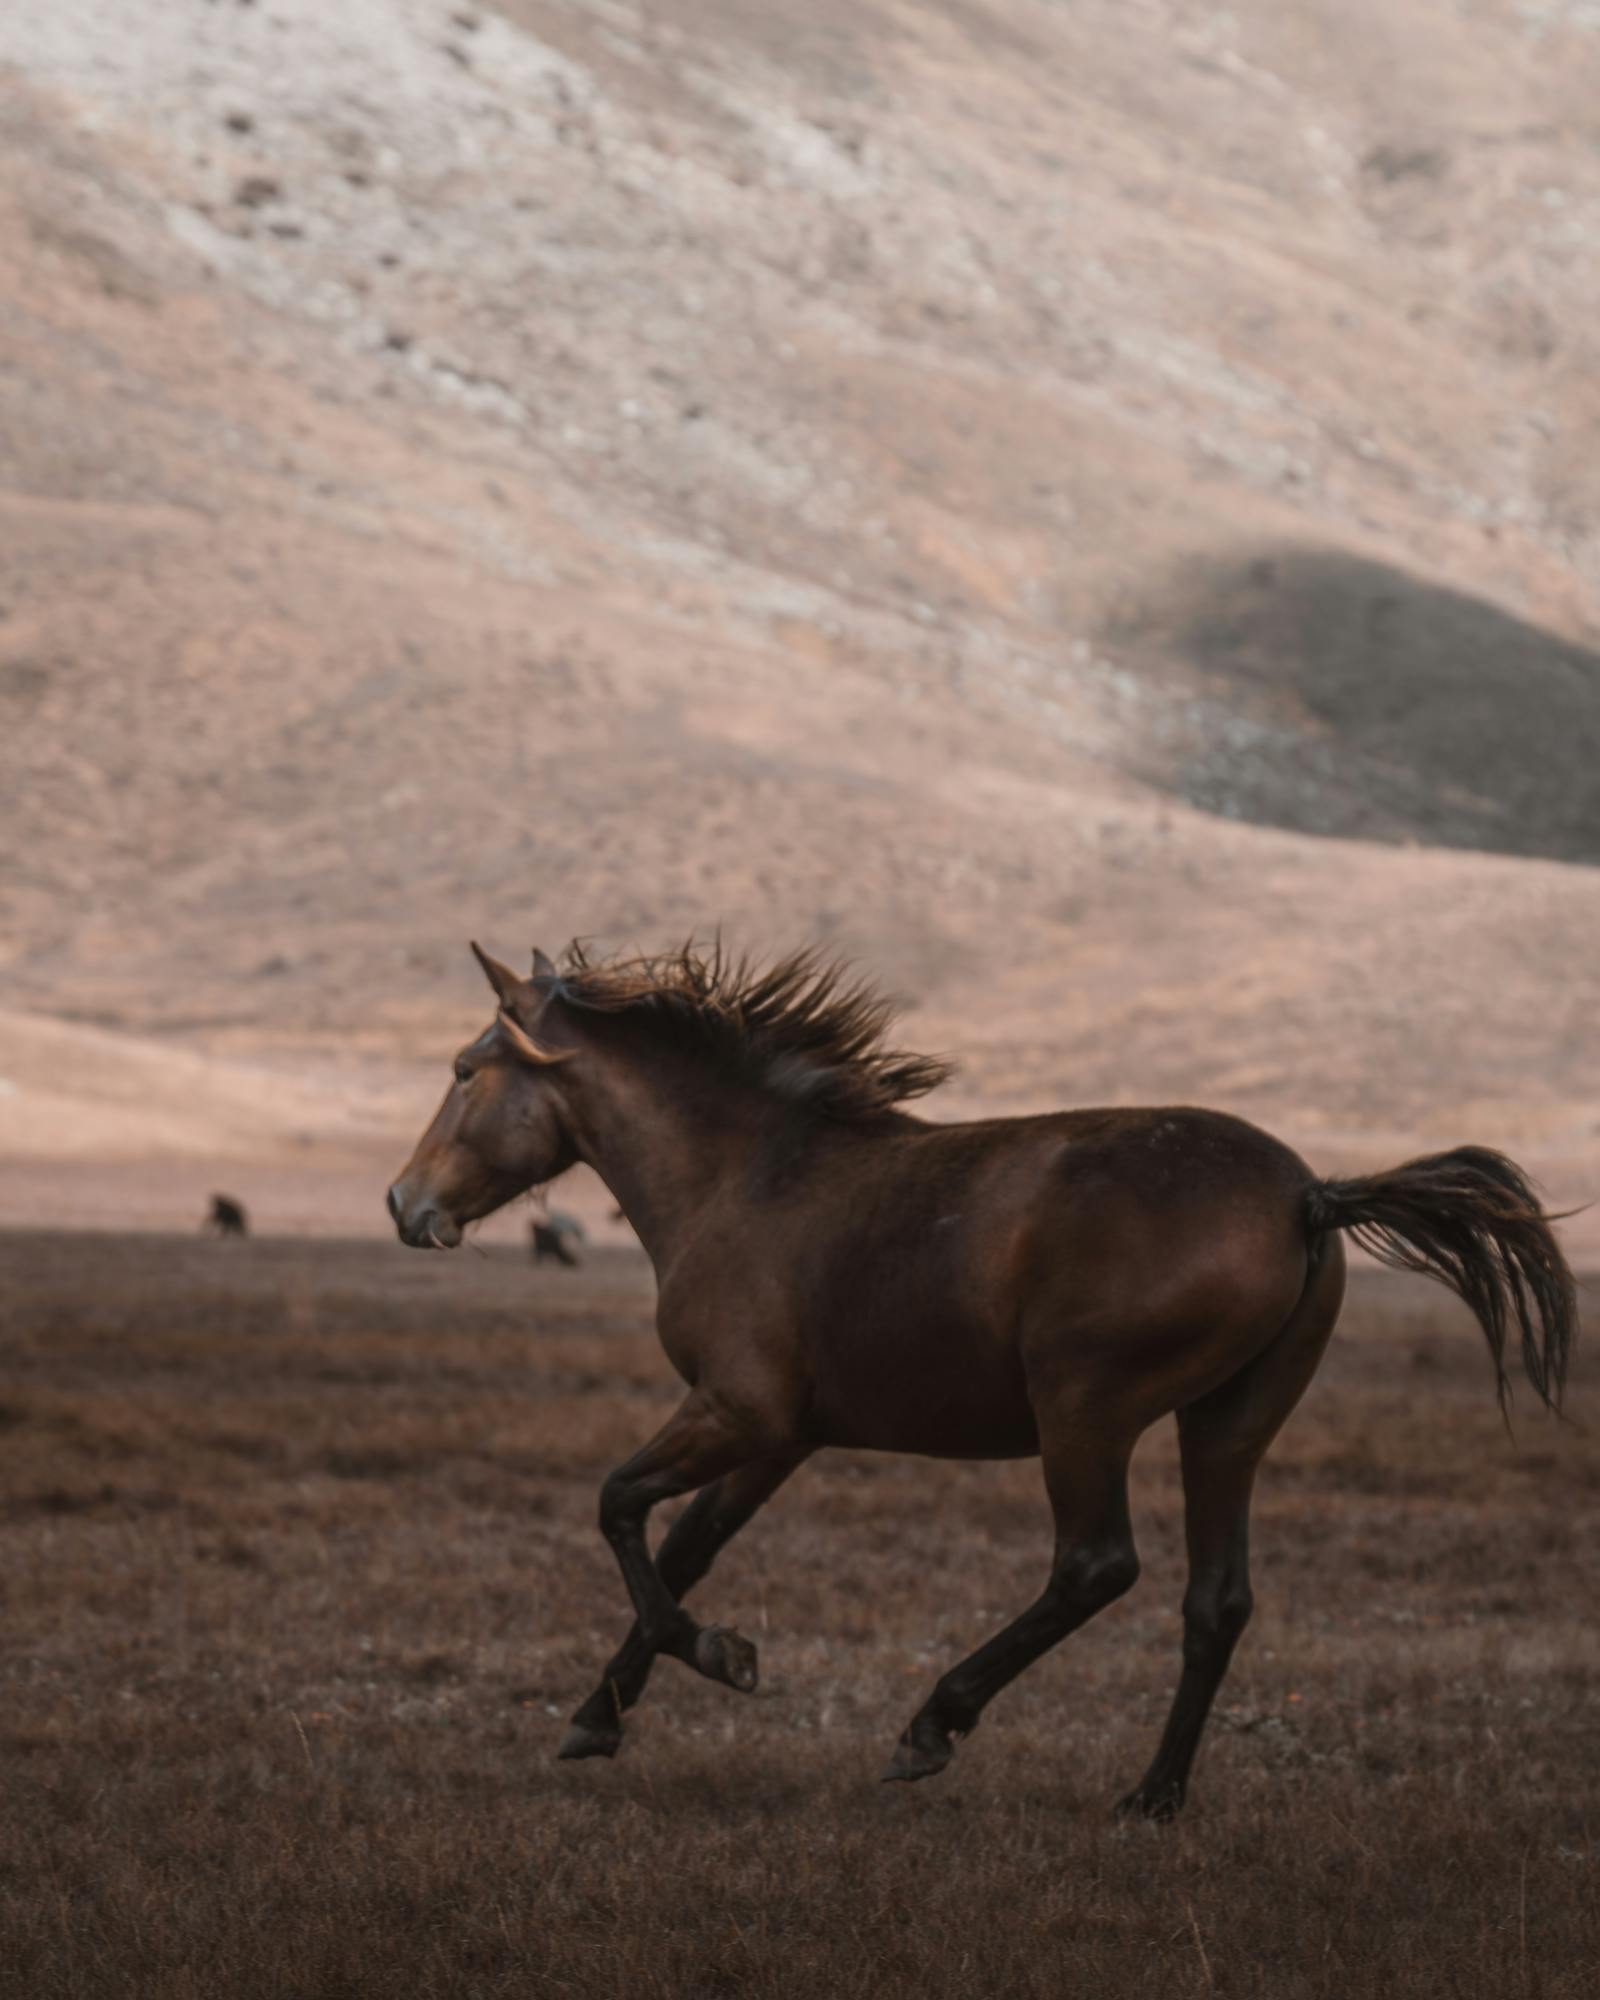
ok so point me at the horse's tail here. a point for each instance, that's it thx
(1471, 1219)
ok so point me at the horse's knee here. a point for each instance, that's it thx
(1089, 1578)
(1214, 1618)
(620, 1507)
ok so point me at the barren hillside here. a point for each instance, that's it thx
(1092, 509)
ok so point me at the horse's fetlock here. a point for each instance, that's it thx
(676, 1636)
(951, 1713)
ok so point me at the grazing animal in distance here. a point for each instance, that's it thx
(556, 1235)
(226, 1217)
(834, 1271)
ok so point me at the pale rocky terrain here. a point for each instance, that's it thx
(1092, 510)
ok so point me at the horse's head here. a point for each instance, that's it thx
(500, 1129)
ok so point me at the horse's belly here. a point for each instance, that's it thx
(953, 1399)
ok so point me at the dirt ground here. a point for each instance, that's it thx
(301, 1578)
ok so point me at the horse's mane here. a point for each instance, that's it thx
(803, 1026)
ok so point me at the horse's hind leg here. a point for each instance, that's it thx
(1223, 1438)
(1086, 1472)
(692, 1545)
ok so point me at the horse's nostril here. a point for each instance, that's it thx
(394, 1205)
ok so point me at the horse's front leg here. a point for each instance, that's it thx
(708, 1437)
(692, 1545)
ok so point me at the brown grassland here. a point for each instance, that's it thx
(301, 1576)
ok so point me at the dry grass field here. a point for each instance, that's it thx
(300, 1579)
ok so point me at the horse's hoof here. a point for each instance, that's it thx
(722, 1654)
(918, 1756)
(582, 1741)
(1162, 1804)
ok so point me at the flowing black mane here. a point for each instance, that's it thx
(804, 1026)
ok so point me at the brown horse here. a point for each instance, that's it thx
(834, 1271)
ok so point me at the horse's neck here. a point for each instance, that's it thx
(666, 1138)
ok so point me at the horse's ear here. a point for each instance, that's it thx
(504, 981)
(544, 967)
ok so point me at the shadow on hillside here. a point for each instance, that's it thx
(1344, 697)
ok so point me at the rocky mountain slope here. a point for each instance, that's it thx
(1090, 510)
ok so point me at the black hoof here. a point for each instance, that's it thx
(1161, 1803)
(583, 1741)
(922, 1752)
(722, 1654)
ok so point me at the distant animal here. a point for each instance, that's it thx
(227, 1217)
(556, 1235)
(835, 1271)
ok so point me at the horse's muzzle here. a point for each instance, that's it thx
(426, 1227)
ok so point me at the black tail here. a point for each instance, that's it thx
(1471, 1219)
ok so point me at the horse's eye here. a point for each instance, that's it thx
(463, 1072)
